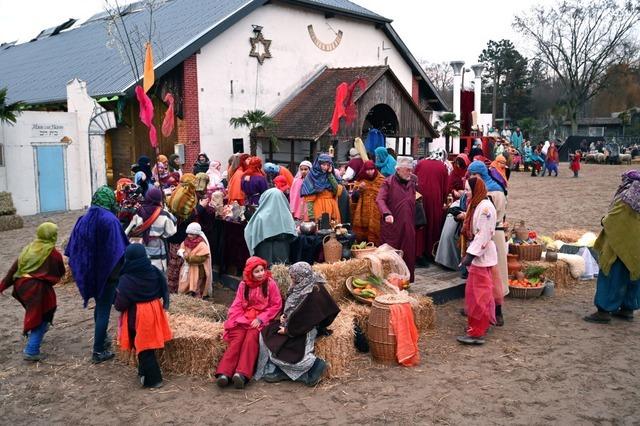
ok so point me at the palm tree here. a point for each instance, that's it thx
(9, 113)
(256, 121)
(449, 127)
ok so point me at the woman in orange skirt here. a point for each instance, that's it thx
(143, 325)
(319, 189)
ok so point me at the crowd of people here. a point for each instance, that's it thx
(151, 237)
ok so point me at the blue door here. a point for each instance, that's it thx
(51, 178)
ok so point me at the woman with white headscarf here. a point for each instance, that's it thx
(196, 276)
(215, 175)
(296, 202)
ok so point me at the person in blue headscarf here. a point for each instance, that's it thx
(320, 188)
(385, 162)
(95, 251)
(497, 195)
(271, 228)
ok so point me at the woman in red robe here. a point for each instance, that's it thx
(433, 180)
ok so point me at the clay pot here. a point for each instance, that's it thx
(551, 256)
(513, 264)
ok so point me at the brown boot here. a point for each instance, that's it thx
(599, 317)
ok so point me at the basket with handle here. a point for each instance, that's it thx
(360, 253)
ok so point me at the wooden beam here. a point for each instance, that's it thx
(293, 158)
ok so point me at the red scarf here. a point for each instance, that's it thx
(192, 243)
(247, 275)
(362, 174)
(254, 168)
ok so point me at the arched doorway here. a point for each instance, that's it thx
(383, 118)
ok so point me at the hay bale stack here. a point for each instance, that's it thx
(338, 349)
(196, 347)
(558, 272)
(424, 313)
(187, 305)
(337, 273)
(6, 204)
(280, 273)
(359, 312)
(10, 222)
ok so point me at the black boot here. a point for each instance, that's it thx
(499, 317)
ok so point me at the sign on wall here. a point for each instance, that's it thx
(49, 130)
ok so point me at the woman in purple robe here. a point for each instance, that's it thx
(254, 182)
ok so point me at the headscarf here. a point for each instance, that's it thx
(385, 163)
(281, 183)
(499, 165)
(304, 163)
(629, 190)
(478, 167)
(254, 168)
(271, 168)
(105, 197)
(316, 180)
(478, 193)
(202, 181)
(303, 279)
(35, 253)
(247, 274)
(140, 281)
(356, 164)
(173, 163)
(152, 200)
(215, 175)
(271, 218)
(183, 199)
(194, 228)
(456, 178)
(162, 159)
(120, 189)
(144, 165)
(368, 165)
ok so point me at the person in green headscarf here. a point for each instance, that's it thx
(105, 197)
(32, 276)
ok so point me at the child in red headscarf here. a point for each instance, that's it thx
(257, 303)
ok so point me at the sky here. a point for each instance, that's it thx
(434, 30)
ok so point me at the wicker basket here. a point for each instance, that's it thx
(526, 252)
(349, 284)
(360, 253)
(381, 342)
(526, 292)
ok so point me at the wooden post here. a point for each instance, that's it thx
(270, 151)
(293, 157)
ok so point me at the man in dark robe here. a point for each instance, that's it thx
(433, 180)
(95, 251)
(397, 203)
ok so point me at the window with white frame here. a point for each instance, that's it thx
(596, 131)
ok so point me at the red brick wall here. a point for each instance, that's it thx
(415, 94)
(189, 126)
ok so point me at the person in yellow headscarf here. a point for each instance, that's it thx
(33, 275)
(182, 202)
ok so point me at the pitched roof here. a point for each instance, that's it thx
(38, 71)
(307, 114)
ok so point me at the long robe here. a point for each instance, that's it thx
(433, 180)
(398, 199)
(366, 216)
(500, 202)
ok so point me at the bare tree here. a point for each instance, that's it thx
(579, 41)
(440, 74)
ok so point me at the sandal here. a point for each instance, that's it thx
(623, 314)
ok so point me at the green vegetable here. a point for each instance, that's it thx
(533, 272)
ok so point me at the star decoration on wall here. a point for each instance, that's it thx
(260, 48)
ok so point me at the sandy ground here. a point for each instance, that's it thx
(546, 366)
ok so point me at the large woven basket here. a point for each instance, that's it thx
(360, 253)
(526, 292)
(527, 252)
(382, 341)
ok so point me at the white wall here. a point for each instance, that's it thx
(38, 128)
(295, 60)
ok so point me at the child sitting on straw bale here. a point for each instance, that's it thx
(143, 325)
(257, 303)
(287, 347)
(38, 268)
(196, 276)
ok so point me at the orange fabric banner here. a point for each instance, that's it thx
(149, 75)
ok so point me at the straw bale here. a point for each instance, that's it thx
(424, 313)
(337, 273)
(280, 273)
(558, 272)
(67, 278)
(6, 204)
(338, 349)
(360, 314)
(188, 305)
(10, 222)
(196, 347)
(569, 235)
